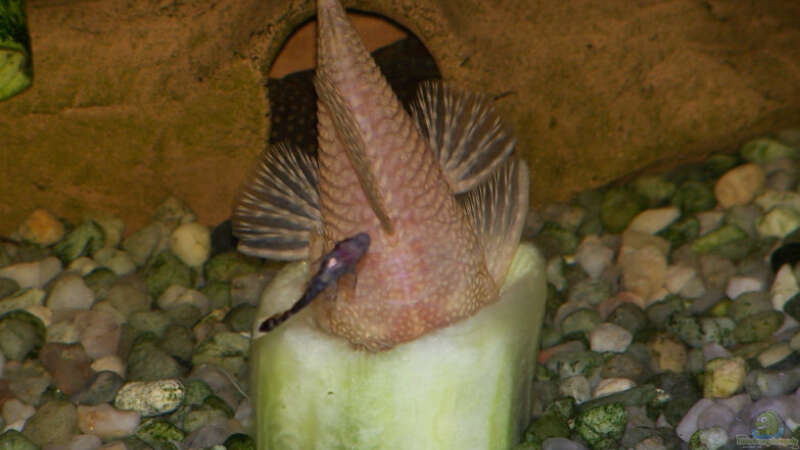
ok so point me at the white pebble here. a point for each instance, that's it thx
(709, 220)
(739, 185)
(593, 256)
(176, 295)
(64, 332)
(99, 333)
(784, 287)
(82, 265)
(678, 275)
(741, 284)
(688, 424)
(771, 199)
(111, 363)
(608, 386)
(774, 354)
(119, 261)
(609, 337)
(42, 312)
(555, 273)
(70, 292)
(779, 222)
(84, 442)
(15, 410)
(644, 271)
(106, 422)
(651, 221)
(33, 274)
(191, 242)
(577, 387)
(150, 398)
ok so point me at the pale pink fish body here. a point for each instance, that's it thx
(440, 194)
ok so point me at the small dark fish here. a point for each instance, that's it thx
(342, 259)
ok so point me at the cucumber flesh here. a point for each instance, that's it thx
(463, 386)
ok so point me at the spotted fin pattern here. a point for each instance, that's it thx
(279, 207)
(465, 132)
(497, 209)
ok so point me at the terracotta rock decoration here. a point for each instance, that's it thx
(134, 100)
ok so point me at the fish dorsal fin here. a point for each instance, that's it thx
(280, 206)
(496, 209)
(347, 129)
(464, 130)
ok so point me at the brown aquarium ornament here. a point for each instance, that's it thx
(424, 328)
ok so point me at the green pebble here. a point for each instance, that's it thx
(630, 317)
(602, 426)
(14, 440)
(100, 281)
(563, 407)
(589, 291)
(84, 240)
(722, 241)
(619, 207)
(547, 426)
(543, 393)
(154, 321)
(567, 364)
(549, 336)
(196, 392)
(765, 150)
(128, 298)
(159, 431)
(218, 293)
(166, 270)
(20, 333)
(226, 266)
(7, 287)
(592, 225)
(240, 441)
(173, 212)
(681, 392)
(712, 438)
(200, 417)
(659, 313)
(635, 396)
(240, 318)
(655, 188)
(693, 197)
(758, 327)
(583, 320)
(147, 362)
(227, 350)
(553, 240)
(53, 423)
(184, 315)
(748, 304)
(717, 165)
(178, 341)
(146, 242)
(681, 232)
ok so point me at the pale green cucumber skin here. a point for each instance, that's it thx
(463, 386)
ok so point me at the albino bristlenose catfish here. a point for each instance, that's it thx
(423, 334)
(441, 194)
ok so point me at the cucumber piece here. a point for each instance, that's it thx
(15, 49)
(463, 386)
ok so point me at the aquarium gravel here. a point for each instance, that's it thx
(672, 319)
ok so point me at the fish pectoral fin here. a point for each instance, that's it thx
(279, 206)
(497, 209)
(348, 131)
(466, 132)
